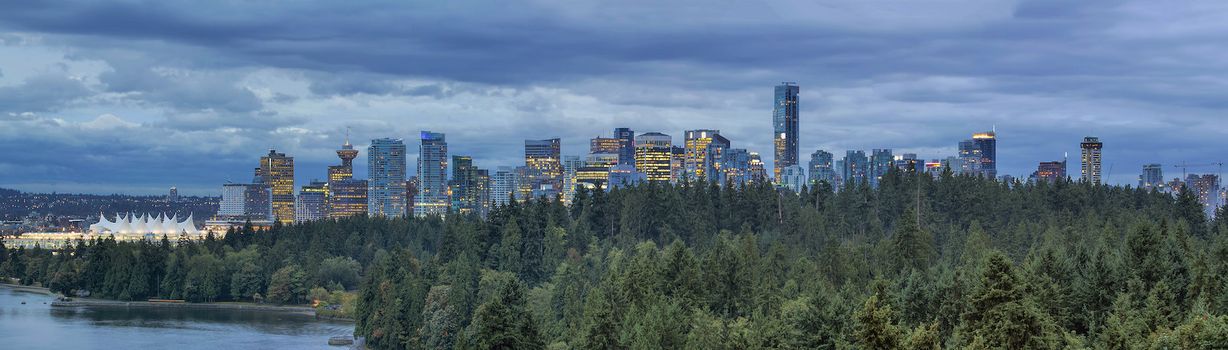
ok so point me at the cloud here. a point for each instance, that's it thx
(42, 93)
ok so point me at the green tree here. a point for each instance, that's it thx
(503, 322)
(287, 286)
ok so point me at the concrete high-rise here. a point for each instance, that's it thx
(504, 185)
(386, 170)
(345, 170)
(246, 202)
(1091, 147)
(703, 154)
(311, 203)
(277, 171)
(654, 155)
(350, 198)
(626, 145)
(432, 195)
(785, 127)
(856, 167)
(1152, 178)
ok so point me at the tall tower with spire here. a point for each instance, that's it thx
(345, 195)
(347, 153)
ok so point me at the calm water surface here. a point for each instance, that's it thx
(35, 325)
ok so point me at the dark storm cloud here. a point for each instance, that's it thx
(919, 75)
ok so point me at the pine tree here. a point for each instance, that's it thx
(503, 322)
(874, 327)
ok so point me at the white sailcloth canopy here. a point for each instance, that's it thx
(130, 224)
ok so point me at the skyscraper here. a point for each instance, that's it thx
(677, 163)
(909, 163)
(386, 169)
(1152, 178)
(345, 170)
(821, 168)
(735, 167)
(758, 171)
(979, 156)
(467, 186)
(703, 151)
(543, 161)
(1050, 171)
(310, 205)
(626, 145)
(653, 155)
(173, 195)
(785, 126)
(792, 178)
(1091, 159)
(571, 165)
(605, 145)
(246, 202)
(432, 175)
(881, 161)
(349, 199)
(504, 185)
(277, 171)
(1207, 188)
(855, 167)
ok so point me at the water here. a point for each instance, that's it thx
(35, 325)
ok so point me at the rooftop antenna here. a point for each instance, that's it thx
(347, 135)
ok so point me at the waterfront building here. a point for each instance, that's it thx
(311, 203)
(785, 127)
(432, 198)
(1090, 158)
(1152, 178)
(277, 170)
(654, 156)
(345, 170)
(703, 150)
(386, 172)
(246, 202)
(145, 226)
(626, 146)
(855, 170)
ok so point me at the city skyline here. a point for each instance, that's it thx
(92, 100)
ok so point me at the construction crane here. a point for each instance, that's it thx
(1185, 165)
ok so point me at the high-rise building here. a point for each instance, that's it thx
(821, 168)
(792, 178)
(173, 195)
(979, 155)
(758, 171)
(1050, 171)
(311, 204)
(856, 167)
(277, 171)
(605, 145)
(503, 185)
(908, 163)
(345, 170)
(411, 192)
(246, 202)
(625, 175)
(677, 163)
(626, 145)
(543, 161)
(881, 162)
(702, 154)
(1091, 159)
(1207, 188)
(467, 186)
(654, 155)
(735, 167)
(347, 198)
(386, 186)
(571, 165)
(1152, 178)
(594, 171)
(785, 127)
(483, 189)
(432, 175)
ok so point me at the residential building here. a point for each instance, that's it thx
(386, 172)
(1152, 178)
(785, 127)
(1091, 147)
(432, 198)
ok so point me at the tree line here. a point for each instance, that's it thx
(916, 263)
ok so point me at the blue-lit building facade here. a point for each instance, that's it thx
(432, 197)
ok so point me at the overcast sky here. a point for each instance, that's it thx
(135, 97)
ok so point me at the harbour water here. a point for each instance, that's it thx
(36, 325)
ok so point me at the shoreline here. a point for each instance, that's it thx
(87, 302)
(28, 289)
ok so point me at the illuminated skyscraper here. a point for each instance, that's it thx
(345, 171)
(856, 167)
(1207, 188)
(571, 165)
(821, 168)
(469, 187)
(677, 163)
(1152, 178)
(758, 171)
(432, 175)
(654, 155)
(626, 145)
(735, 167)
(979, 155)
(881, 161)
(785, 126)
(605, 145)
(1091, 159)
(504, 185)
(277, 171)
(386, 169)
(704, 151)
(543, 161)
(310, 205)
(1050, 171)
(347, 198)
